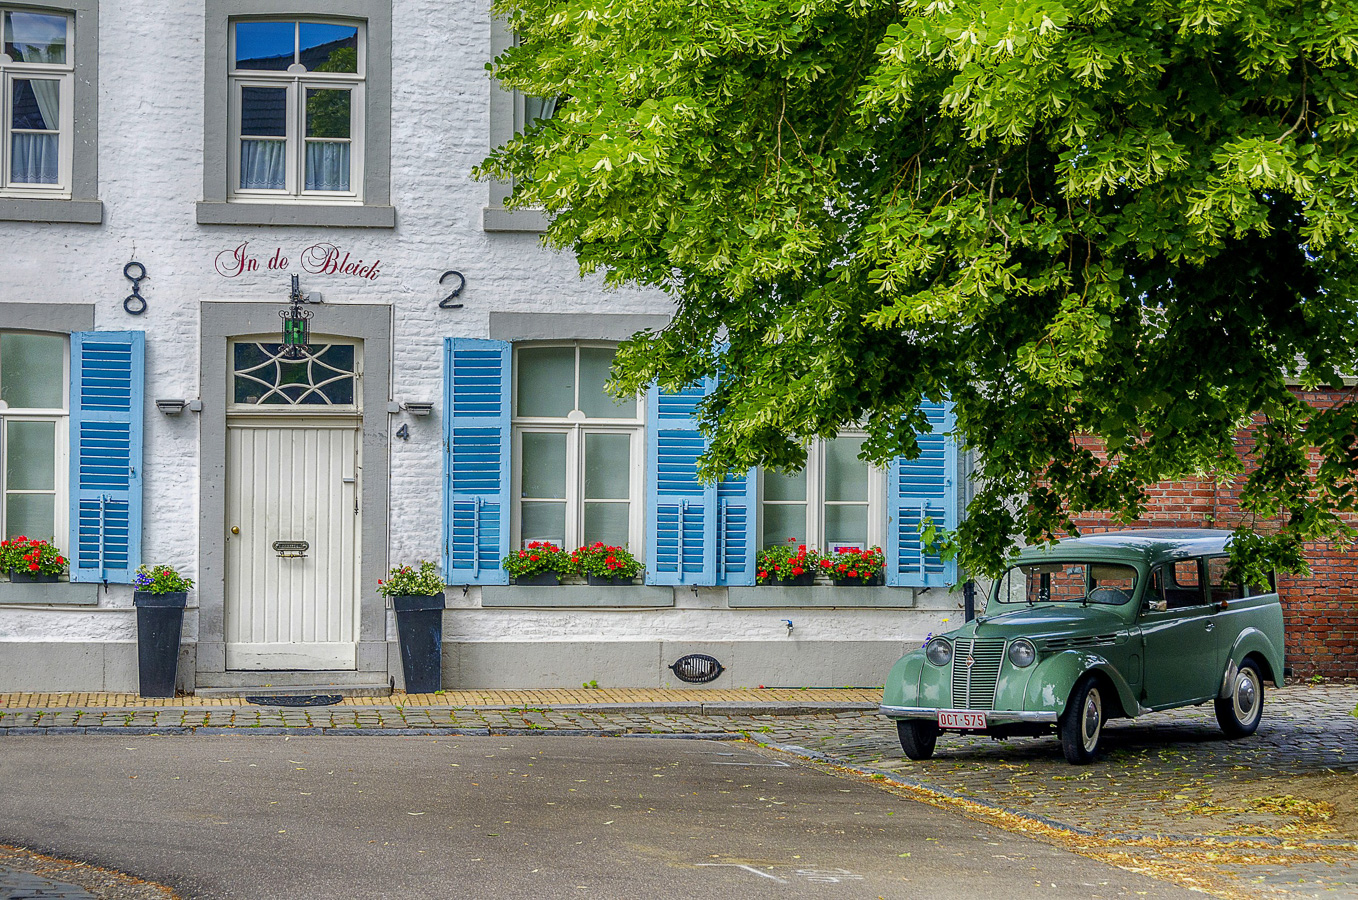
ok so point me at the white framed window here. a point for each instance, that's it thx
(265, 378)
(836, 501)
(34, 421)
(296, 106)
(37, 77)
(577, 452)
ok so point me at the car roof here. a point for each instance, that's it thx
(1153, 545)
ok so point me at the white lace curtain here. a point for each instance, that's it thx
(535, 108)
(263, 165)
(327, 166)
(36, 158)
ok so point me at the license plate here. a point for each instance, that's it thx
(967, 720)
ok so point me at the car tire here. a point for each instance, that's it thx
(1081, 725)
(1239, 714)
(918, 737)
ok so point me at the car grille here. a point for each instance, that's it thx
(1079, 643)
(973, 686)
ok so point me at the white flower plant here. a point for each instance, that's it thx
(424, 581)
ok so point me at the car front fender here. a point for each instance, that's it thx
(1253, 640)
(1054, 678)
(902, 682)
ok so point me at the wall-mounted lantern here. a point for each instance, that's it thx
(296, 324)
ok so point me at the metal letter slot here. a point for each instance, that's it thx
(291, 549)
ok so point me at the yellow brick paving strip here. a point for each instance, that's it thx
(539, 698)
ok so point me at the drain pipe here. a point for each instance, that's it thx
(969, 600)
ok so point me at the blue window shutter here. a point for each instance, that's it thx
(681, 511)
(736, 529)
(919, 489)
(475, 460)
(108, 369)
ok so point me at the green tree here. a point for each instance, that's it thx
(1091, 223)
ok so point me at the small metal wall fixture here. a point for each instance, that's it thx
(173, 407)
(291, 549)
(697, 668)
(134, 304)
(296, 325)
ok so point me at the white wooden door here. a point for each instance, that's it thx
(292, 480)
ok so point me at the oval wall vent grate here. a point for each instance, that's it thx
(697, 668)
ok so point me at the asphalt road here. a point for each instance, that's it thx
(542, 816)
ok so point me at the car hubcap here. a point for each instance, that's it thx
(1092, 720)
(1246, 695)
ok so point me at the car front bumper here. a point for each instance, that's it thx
(995, 716)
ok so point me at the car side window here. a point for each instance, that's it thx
(1219, 589)
(1182, 584)
(1268, 586)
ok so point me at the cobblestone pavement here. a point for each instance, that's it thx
(16, 885)
(1270, 815)
(30, 876)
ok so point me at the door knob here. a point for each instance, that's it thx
(235, 529)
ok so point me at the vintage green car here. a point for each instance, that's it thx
(1082, 631)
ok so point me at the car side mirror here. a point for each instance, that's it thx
(1157, 605)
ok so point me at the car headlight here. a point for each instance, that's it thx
(938, 651)
(1022, 653)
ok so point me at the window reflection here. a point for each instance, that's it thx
(35, 38)
(265, 46)
(328, 48)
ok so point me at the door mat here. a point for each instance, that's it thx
(295, 699)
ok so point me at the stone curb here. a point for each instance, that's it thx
(344, 731)
(723, 708)
(897, 778)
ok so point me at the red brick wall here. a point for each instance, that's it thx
(1320, 611)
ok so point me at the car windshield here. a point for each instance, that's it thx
(1066, 582)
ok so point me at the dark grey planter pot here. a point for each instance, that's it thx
(541, 579)
(19, 577)
(874, 581)
(419, 630)
(806, 579)
(609, 581)
(160, 620)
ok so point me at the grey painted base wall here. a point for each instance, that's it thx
(78, 666)
(613, 664)
(112, 666)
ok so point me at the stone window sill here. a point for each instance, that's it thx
(217, 213)
(62, 593)
(78, 212)
(577, 595)
(494, 218)
(820, 596)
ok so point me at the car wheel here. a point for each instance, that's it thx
(1082, 723)
(918, 737)
(1239, 714)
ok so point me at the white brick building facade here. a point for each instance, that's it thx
(145, 77)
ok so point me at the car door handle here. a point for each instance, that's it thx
(1211, 625)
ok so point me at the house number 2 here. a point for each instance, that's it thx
(447, 302)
